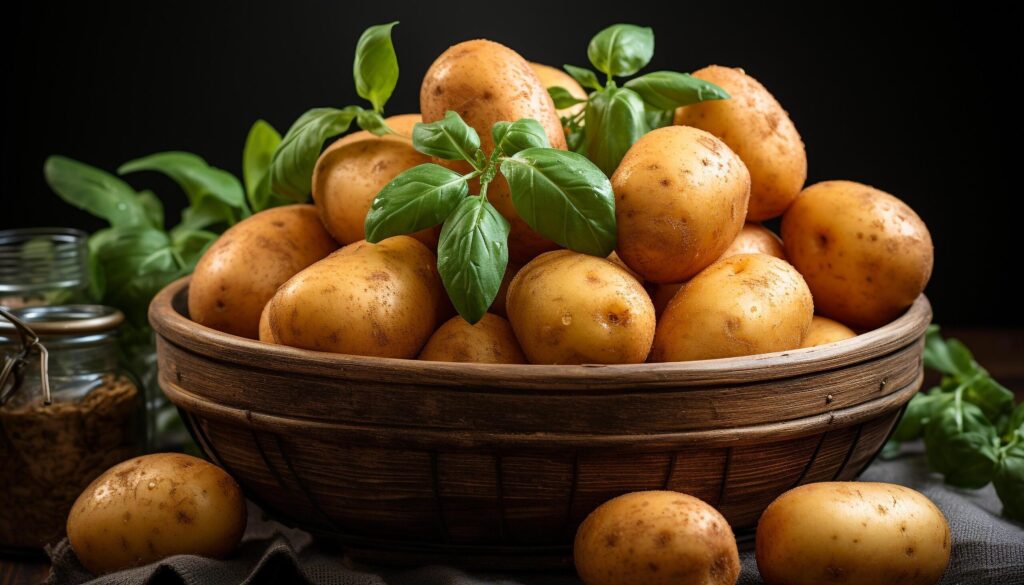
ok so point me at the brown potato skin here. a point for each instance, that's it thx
(824, 331)
(486, 82)
(680, 199)
(656, 538)
(743, 305)
(551, 77)
(151, 507)
(236, 277)
(266, 333)
(865, 254)
(489, 341)
(366, 299)
(349, 174)
(570, 308)
(754, 125)
(856, 533)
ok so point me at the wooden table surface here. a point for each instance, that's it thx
(1000, 351)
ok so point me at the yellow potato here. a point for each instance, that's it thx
(402, 124)
(350, 173)
(756, 128)
(241, 271)
(151, 507)
(865, 254)
(266, 334)
(489, 341)
(486, 82)
(614, 259)
(824, 330)
(743, 305)
(754, 238)
(569, 308)
(498, 306)
(552, 77)
(656, 538)
(365, 299)
(680, 199)
(855, 533)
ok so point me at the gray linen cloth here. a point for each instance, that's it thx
(987, 549)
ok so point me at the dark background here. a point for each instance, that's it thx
(914, 100)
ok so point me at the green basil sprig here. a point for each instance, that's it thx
(972, 432)
(560, 194)
(616, 117)
(375, 69)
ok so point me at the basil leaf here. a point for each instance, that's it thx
(190, 245)
(208, 212)
(373, 123)
(259, 149)
(562, 98)
(153, 207)
(449, 138)
(564, 197)
(376, 66)
(1009, 478)
(198, 179)
(511, 137)
(417, 199)
(658, 118)
(621, 49)
(1016, 421)
(291, 168)
(961, 444)
(96, 192)
(615, 119)
(584, 77)
(949, 357)
(472, 253)
(667, 90)
(920, 411)
(994, 399)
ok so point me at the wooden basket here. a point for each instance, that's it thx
(437, 460)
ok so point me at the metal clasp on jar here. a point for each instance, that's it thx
(13, 365)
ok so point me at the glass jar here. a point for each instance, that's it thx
(43, 266)
(67, 414)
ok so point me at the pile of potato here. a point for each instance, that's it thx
(694, 276)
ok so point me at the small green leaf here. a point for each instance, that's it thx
(658, 118)
(449, 138)
(921, 409)
(584, 77)
(1015, 422)
(376, 66)
(373, 123)
(615, 119)
(961, 444)
(207, 213)
(259, 149)
(291, 169)
(472, 254)
(562, 98)
(190, 245)
(621, 49)
(667, 90)
(994, 399)
(198, 179)
(511, 137)
(154, 208)
(949, 357)
(564, 197)
(96, 192)
(417, 199)
(1009, 477)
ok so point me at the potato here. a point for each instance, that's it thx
(756, 128)
(857, 533)
(552, 77)
(489, 341)
(753, 238)
(680, 199)
(824, 330)
(402, 124)
(266, 334)
(350, 173)
(656, 538)
(570, 308)
(486, 82)
(743, 305)
(498, 307)
(241, 271)
(365, 299)
(865, 254)
(151, 507)
(614, 259)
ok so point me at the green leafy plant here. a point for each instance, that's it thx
(615, 117)
(560, 194)
(972, 432)
(375, 70)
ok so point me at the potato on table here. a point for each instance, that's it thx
(865, 254)
(489, 341)
(857, 533)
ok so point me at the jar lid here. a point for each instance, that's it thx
(65, 320)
